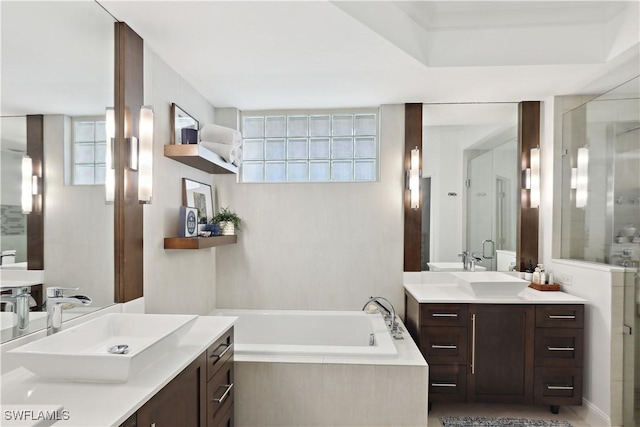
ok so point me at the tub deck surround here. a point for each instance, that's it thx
(325, 386)
(21, 387)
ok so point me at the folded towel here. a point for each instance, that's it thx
(230, 153)
(220, 134)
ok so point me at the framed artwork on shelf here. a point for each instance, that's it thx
(199, 196)
(182, 124)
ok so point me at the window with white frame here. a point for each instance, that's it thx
(89, 151)
(337, 147)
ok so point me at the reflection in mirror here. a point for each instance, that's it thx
(58, 62)
(601, 179)
(469, 194)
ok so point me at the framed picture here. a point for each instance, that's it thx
(180, 120)
(199, 196)
(188, 222)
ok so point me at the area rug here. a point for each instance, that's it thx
(500, 422)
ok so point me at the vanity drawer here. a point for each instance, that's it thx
(447, 383)
(558, 386)
(443, 314)
(219, 352)
(220, 392)
(559, 347)
(444, 345)
(224, 417)
(560, 316)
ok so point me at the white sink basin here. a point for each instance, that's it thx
(451, 266)
(490, 284)
(80, 352)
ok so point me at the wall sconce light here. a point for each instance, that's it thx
(110, 178)
(413, 179)
(140, 155)
(28, 183)
(582, 177)
(145, 155)
(534, 178)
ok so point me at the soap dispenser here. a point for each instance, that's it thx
(536, 275)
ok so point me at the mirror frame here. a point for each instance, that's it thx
(527, 217)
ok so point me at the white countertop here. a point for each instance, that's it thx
(5, 284)
(452, 293)
(96, 404)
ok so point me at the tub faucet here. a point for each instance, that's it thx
(389, 314)
(19, 303)
(55, 300)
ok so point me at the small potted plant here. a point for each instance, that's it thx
(229, 221)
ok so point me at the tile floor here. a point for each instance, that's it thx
(501, 410)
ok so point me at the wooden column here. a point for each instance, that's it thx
(35, 220)
(528, 138)
(412, 218)
(128, 214)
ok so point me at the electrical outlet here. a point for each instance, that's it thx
(563, 278)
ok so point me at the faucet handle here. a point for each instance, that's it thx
(57, 291)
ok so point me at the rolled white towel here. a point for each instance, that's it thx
(230, 153)
(220, 134)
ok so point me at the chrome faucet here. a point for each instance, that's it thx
(389, 314)
(19, 303)
(55, 300)
(469, 260)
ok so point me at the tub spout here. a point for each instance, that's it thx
(389, 314)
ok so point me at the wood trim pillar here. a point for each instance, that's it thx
(128, 213)
(35, 219)
(412, 218)
(528, 217)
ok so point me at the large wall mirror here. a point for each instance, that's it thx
(58, 62)
(469, 184)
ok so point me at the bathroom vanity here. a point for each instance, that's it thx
(189, 384)
(521, 348)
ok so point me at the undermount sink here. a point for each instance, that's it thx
(490, 284)
(80, 353)
(451, 266)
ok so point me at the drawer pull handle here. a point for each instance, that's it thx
(560, 348)
(444, 315)
(225, 394)
(559, 387)
(565, 317)
(443, 385)
(449, 347)
(222, 353)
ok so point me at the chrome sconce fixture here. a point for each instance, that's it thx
(413, 179)
(140, 155)
(582, 177)
(532, 178)
(30, 186)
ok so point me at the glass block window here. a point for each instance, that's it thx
(340, 147)
(88, 152)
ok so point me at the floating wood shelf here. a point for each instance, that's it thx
(199, 157)
(198, 242)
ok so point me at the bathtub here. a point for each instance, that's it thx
(311, 333)
(316, 368)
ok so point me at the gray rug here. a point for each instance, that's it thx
(500, 422)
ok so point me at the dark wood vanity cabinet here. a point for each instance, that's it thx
(201, 395)
(501, 353)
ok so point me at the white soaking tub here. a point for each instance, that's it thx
(316, 368)
(311, 333)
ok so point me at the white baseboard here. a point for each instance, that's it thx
(591, 414)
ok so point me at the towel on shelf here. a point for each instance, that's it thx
(220, 134)
(230, 153)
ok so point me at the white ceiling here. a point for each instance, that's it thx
(57, 57)
(306, 54)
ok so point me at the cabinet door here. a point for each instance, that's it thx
(182, 402)
(501, 353)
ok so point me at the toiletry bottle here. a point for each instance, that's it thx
(536, 275)
(550, 278)
(543, 275)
